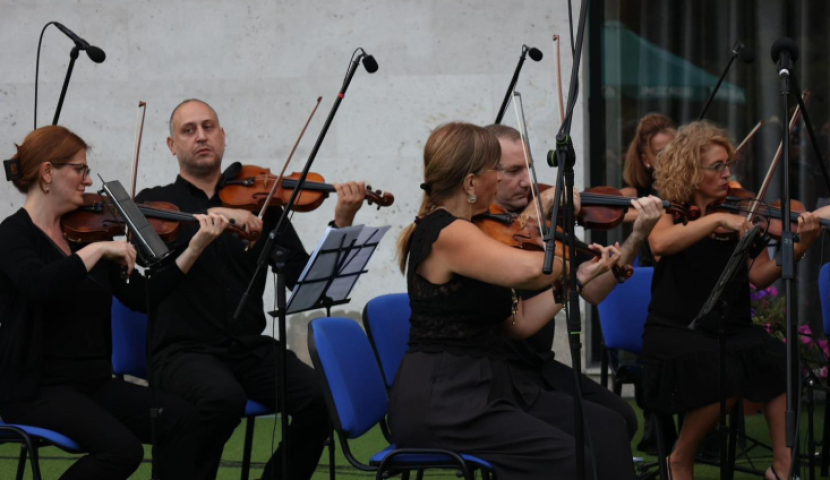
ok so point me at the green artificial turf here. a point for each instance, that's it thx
(54, 462)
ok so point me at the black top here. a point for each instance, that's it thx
(55, 316)
(682, 284)
(462, 316)
(198, 316)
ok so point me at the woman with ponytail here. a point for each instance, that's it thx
(455, 388)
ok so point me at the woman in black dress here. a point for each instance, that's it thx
(455, 388)
(681, 365)
(55, 337)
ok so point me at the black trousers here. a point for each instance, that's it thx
(497, 411)
(561, 378)
(110, 420)
(220, 386)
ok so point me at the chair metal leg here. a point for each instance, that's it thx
(35, 461)
(246, 450)
(332, 472)
(21, 463)
(31, 448)
(420, 474)
(662, 454)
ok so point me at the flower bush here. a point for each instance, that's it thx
(769, 312)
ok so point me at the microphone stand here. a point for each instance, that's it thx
(73, 55)
(788, 268)
(279, 254)
(512, 85)
(736, 50)
(565, 158)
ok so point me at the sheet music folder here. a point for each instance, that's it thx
(333, 269)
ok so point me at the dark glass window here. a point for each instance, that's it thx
(665, 56)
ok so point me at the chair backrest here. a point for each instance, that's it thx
(129, 341)
(386, 320)
(824, 295)
(349, 374)
(623, 313)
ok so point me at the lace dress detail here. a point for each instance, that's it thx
(462, 316)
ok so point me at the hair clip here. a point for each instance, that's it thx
(13, 170)
(426, 187)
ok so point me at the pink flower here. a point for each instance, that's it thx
(773, 291)
(824, 347)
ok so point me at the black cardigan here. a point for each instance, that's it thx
(54, 315)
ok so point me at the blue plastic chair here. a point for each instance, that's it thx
(31, 439)
(129, 357)
(386, 320)
(622, 316)
(356, 396)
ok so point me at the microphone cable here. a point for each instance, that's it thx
(37, 66)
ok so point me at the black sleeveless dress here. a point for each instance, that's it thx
(456, 388)
(680, 364)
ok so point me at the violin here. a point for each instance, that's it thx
(743, 202)
(604, 208)
(97, 220)
(249, 186)
(522, 232)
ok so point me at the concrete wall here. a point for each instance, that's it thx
(262, 64)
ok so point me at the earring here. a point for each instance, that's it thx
(45, 187)
(471, 198)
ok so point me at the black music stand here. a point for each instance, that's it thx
(152, 251)
(326, 281)
(750, 245)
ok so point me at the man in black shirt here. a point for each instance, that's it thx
(536, 351)
(198, 350)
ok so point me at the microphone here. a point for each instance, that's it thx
(784, 52)
(370, 63)
(534, 53)
(94, 53)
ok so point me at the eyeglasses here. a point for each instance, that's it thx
(81, 169)
(720, 166)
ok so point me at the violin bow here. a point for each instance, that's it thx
(749, 136)
(776, 160)
(287, 161)
(518, 107)
(139, 132)
(556, 44)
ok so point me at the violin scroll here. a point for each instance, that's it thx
(379, 198)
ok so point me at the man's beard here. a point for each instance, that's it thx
(201, 169)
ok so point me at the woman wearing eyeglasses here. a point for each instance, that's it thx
(681, 364)
(55, 337)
